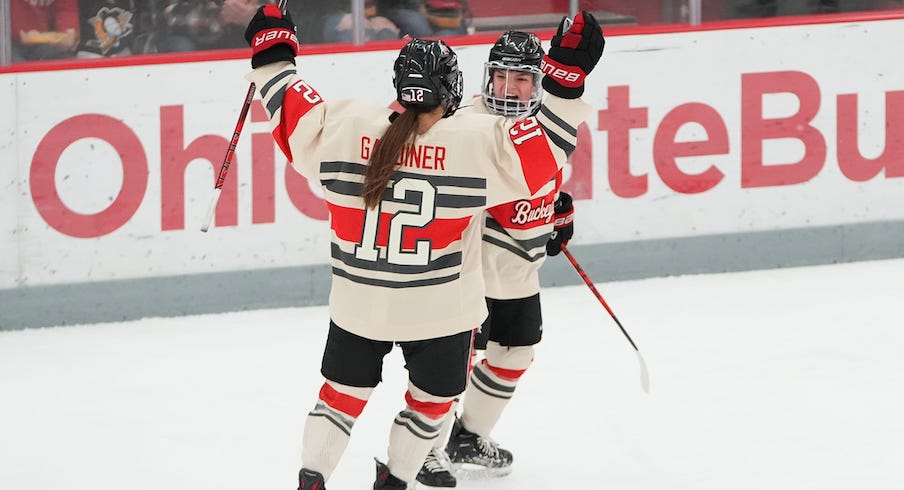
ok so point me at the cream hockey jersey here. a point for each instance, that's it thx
(515, 236)
(411, 269)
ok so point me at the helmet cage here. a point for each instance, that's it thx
(510, 106)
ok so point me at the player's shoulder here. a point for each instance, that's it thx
(473, 106)
(358, 108)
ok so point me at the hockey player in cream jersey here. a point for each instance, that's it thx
(405, 258)
(517, 236)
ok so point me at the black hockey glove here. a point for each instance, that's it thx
(563, 229)
(271, 34)
(576, 48)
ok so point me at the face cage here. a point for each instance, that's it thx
(510, 107)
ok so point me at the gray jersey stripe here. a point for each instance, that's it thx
(452, 201)
(528, 244)
(276, 101)
(273, 81)
(514, 249)
(367, 281)
(558, 121)
(446, 261)
(435, 180)
(460, 202)
(559, 141)
(346, 167)
(343, 187)
(447, 180)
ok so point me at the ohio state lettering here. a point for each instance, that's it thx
(526, 213)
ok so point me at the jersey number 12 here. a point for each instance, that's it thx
(367, 249)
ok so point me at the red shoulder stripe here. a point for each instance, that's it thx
(298, 99)
(537, 161)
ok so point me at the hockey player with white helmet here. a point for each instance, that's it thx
(517, 236)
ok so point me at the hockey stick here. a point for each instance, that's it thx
(230, 151)
(644, 375)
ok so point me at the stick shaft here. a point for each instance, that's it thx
(589, 283)
(230, 151)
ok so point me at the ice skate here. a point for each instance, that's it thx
(310, 480)
(476, 457)
(436, 471)
(386, 480)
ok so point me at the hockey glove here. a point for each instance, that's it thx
(575, 50)
(563, 229)
(271, 34)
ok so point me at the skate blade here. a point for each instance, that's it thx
(422, 486)
(469, 471)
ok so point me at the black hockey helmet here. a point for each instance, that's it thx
(517, 51)
(426, 75)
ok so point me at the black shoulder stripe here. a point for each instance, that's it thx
(558, 121)
(273, 81)
(557, 140)
(276, 101)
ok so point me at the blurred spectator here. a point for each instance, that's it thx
(337, 26)
(115, 28)
(191, 25)
(768, 8)
(43, 29)
(425, 18)
(321, 21)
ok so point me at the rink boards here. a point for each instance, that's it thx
(708, 150)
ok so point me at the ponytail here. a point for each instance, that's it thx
(387, 152)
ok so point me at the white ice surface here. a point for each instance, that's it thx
(778, 379)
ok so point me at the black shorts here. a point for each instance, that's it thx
(438, 366)
(511, 322)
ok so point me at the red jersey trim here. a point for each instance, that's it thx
(298, 99)
(348, 223)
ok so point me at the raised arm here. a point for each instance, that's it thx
(542, 143)
(295, 109)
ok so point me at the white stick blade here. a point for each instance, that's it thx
(644, 374)
(208, 218)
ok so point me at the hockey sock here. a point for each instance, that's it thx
(446, 429)
(414, 431)
(492, 385)
(329, 426)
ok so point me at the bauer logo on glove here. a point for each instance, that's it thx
(271, 35)
(274, 36)
(566, 75)
(574, 52)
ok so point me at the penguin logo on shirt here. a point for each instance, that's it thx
(110, 26)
